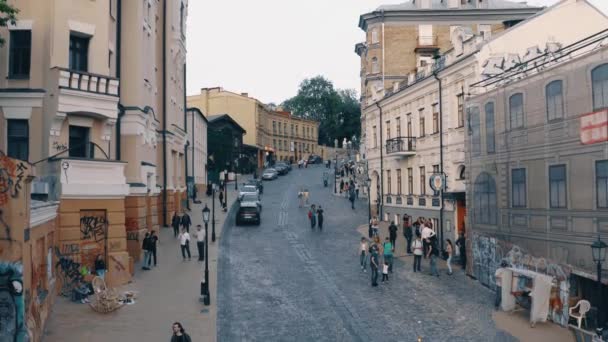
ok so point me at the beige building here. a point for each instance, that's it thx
(270, 132)
(93, 92)
(196, 158)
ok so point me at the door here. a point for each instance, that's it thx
(79, 142)
(461, 211)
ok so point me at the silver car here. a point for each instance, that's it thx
(249, 200)
(270, 174)
(249, 189)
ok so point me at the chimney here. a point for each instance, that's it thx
(245, 94)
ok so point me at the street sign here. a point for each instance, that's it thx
(437, 181)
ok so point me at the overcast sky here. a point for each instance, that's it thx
(267, 47)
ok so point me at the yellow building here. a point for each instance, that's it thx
(293, 138)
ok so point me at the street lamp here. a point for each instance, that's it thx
(213, 189)
(598, 251)
(205, 285)
(336, 174)
(368, 183)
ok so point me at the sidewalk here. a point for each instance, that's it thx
(165, 294)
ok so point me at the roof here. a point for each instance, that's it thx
(494, 10)
(225, 117)
(195, 109)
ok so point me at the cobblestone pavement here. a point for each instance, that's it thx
(282, 281)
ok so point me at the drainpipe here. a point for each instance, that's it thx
(121, 113)
(440, 156)
(186, 172)
(164, 63)
(193, 168)
(118, 35)
(381, 166)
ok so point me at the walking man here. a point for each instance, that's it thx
(320, 217)
(433, 253)
(417, 247)
(407, 233)
(341, 185)
(184, 242)
(152, 245)
(186, 222)
(312, 216)
(388, 254)
(392, 233)
(351, 198)
(373, 262)
(357, 190)
(145, 246)
(200, 242)
(175, 221)
(461, 243)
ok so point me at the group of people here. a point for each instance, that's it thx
(421, 242)
(149, 245)
(184, 243)
(315, 216)
(350, 189)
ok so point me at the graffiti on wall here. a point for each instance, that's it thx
(93, 225)
(12, 303)
(12, 176)
(489, 253)
(68, 272)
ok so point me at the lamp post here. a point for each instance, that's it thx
(205, 285)
(225, 192)
(368, 183)
(213, 189)
(336, 175)
(598, 251)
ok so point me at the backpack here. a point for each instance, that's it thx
(309, 214)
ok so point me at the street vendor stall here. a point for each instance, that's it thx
(526, 289)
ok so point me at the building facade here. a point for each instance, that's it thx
(110, 152)
(225, 147)
(536, 152)
(197, 156)
(293, 138)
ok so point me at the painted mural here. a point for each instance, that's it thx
(12, 303)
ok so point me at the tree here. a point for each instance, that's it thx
(337, 111)
(8, 14)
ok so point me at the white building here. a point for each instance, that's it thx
(196, 158)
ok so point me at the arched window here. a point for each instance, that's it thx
(555, 100)
(490, 141)
(475, 130)
(375, 67)
(516, 110)
(599, 79)
(484, 197)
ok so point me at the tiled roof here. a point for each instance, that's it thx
(443, 4)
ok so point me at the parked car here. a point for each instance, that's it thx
(248, 213)
(314, 159)
(284, 165)
(250, 199)
(282, 170)
(257, 183)
(249, 189)
(270, 174)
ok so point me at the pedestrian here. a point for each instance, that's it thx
(363, 254)
(220, 196)
(100, 266)
(145, 246)
(498, 276)
(184, 242)
(385, 269)
(351, 198)
(186, 222)
(407, 233)
(432, 254)
(373, 262)
(357, 189)
(392, 233)
(306, 196)
(416, 226)
(301, 197)
(152, 246)
(461, 243)
(200, 242)
(388, 253)
(417, 247)
(175, 221)
(375, 227)
(320, 217)
(449, 250)
(341, 185)
(179, 334)
(427, 233)
(342, 172)
(312, 216)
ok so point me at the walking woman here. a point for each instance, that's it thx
(320, 217)
(312, 216)
(301, 197)
(417, 249)
(179, 334)
(375, 227)
(449, 249)
(363, 254)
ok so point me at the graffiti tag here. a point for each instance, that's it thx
(93, 227)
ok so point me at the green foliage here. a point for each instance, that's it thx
(8, 14)
(337, 111)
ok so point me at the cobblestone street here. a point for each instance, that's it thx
(283, 282)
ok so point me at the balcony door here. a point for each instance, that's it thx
(79, 141)
(79, 53)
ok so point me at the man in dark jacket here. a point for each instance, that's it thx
(408, 233)
(186, 222)
(145, 246)
(392, 233)
(175, 221)
(152, 246)
(461, 243)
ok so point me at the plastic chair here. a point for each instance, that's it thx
(583, 307)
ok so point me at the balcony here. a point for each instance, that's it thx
(401, 146)
(426, 44)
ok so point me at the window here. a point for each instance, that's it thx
(285, 146)
(435, 169)
(388, 130)
(518, 188)
(388, 182)
(182, 20)
(460, 102)
(410, 181)
(279, 124)
(475, 132)
(422, 130)
(435, 118)
(374, 36)
(601, 183)
(274, 143)
(79, 53)
(297, 130)
(20, 53)
(484, 199)
(555, 100)
(398, 127)
(557, 186)
(79, 142)
(18, 139)
(375, 137)
(292, 130)
(285, 128)
(398, 171)
(409, 125)
(599, 79)
(516, 110)
(274, 127)
(375, 67)
(422, 181)
(490, 140)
